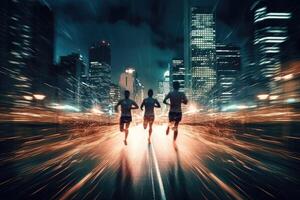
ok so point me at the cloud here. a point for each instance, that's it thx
(143, 33)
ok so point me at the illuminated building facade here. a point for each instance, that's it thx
(69, 72)
(177, 73)
(115, 94)
(202, 57)
(99, 77)
(270, 31)
(228, 69)
(26, 51)
(164, 87)
(129, 81)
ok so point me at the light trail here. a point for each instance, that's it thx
(77, 160)
(160, 182)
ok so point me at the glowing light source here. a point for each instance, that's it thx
(235, 107)
(27, 97)
(130, 70)
(291, 100)
(96, 110)
(273, 97)
(263, 96)
(65, 107)
(39, 96)
(288, 77)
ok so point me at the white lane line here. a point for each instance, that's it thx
(151, 174)
(160, 183)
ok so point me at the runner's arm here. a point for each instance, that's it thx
(134, 105)
(143, 104)
(157, 104)
(184, 99)
(166, 98)
(116, 107)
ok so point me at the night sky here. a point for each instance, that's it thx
(145, 34)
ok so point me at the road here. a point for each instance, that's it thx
(257, 161)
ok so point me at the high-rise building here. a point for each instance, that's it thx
(100, 74)
(164, 86)
(115, 94)
(177, 73)
(201, 48)
(270, 31)
(69, 72)
(100, 52)
(228, 69)
(26, 51)
(129, 81)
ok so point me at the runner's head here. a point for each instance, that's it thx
(126, 94)
(150, 93)
(176, 85)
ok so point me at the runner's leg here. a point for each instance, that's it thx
(150, 129)
(176, 130)
(145, 123)
(168, 130)
(127, 130)
(121, 126)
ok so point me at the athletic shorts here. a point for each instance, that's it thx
(175, 116)
(125, 119)
(148, 119)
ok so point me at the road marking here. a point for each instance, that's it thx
(160, 183)
(151, 173)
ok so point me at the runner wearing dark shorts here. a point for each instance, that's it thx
(175, 114)
(149, 104)
(126, 106)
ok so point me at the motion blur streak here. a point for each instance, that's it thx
(211, 160)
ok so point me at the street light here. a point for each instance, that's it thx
(288, 77)
(273, 97)
(27, 97)
(130, 70)
(39, 97)
(262, 96)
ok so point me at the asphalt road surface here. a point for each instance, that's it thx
(207, 162)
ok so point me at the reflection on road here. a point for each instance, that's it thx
(91, 162)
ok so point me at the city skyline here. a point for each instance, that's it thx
(78, 119)
(157, 30)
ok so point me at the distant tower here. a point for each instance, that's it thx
(228, 69)
(177, 73)
(100, 73)
(270, 31)
(129, 81)
(26, 51)
(200, 55)
(115, 94)
(70, 71)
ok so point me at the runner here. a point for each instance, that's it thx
(175, 113)
(126, 106)
(149, 104)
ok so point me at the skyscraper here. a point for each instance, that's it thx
(164, 89)
(100, 73)
(129, 81)
(26, 52)
(201, 48)
(228, 68)
(270, 30)
(69, 72)
(177, 73)
(115, 94)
